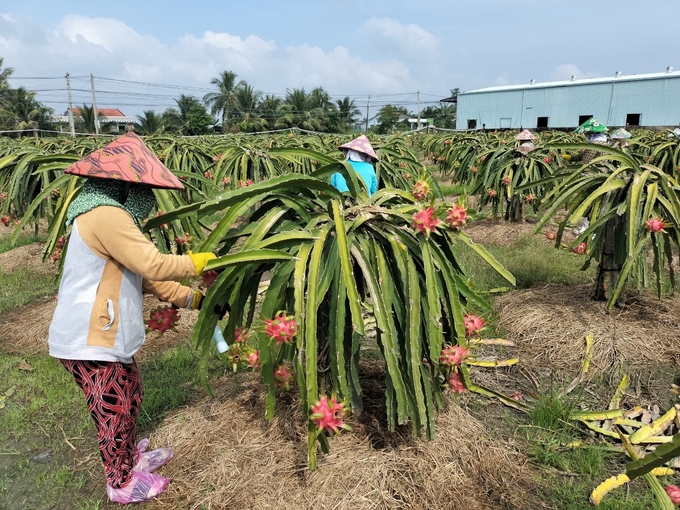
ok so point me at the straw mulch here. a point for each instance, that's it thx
(498, 232)
(25, 329)
(549, 325)
(27, 257)
(227, 456)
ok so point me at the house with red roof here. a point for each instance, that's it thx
(111, 120)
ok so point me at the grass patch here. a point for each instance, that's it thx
(24, 286)
(449, 190)
(23, 239)
(530, 259)
(45, 407)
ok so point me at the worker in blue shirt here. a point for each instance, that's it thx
(361, 156)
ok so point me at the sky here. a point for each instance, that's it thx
(145, 53)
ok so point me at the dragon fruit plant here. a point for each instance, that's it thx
(325, 256)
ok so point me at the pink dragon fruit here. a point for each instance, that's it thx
(208, 175)
(254, 360)
(547, 160)
(472, 324)
(5, 220)
(209, 278)
(163, 319)
(425, 221)
(453, 355)
(282, 377)
(456, 216)
(328, 415)
(226, 181)
(655, 225)
(241, 335)
(550, 234)
(491, 193)
(454, 382)
(421, 189)
(674, 493)
(506, 180)
(580, 249)
(281, 328)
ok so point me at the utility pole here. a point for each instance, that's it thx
(94, 106)
(367, 103)
(418, 126)
(70, 107)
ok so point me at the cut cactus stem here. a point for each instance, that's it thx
(219, 340)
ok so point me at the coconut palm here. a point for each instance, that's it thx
(190, 117)
(86, 118)
(269, 109)
(347, 113)
(20, 110)
(223, 101)
(149, 123)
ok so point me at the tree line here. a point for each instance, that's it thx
(234, 107)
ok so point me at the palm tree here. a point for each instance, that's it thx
(149, 123)
(87, 118)
(347, 113)
(246, 102)
(20, 110)
(222, 102)
(190, 117)
(299, 111)
(4, 76)
(269, 109)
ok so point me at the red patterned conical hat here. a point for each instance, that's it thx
(126, 159)
(361, 144)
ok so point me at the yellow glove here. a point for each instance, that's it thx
(200, 260)
(196, 300)
(567, 157)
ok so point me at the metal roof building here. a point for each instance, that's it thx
(647, 100)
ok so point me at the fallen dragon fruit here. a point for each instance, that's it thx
(163, 319)
(328, 415)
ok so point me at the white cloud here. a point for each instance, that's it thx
(396, 37)
(109, 48)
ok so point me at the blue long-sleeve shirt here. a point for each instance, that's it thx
(365, 171)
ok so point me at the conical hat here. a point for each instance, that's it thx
(526, 135)
(620, 134)
(126, 159)
(591, 126)
(361, 144)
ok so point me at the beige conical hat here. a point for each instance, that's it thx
(361, 144)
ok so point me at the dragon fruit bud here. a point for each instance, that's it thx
(282, 377)
(491, 193)
(474, 169)
(425, 221)
(506, 180)
(208, 175)
(550, 234)
(254, 359)
(282, 329)
(241, 335)
(420, 190)
(456, 216)
(529, 197)
(547, 160)
(5, 220)
(580, 249)
(674, 493)
(454, 382)
(209, 278)
(472, 324)
(655, 225)
(163, 319)
(328, 415)
(453, 355)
